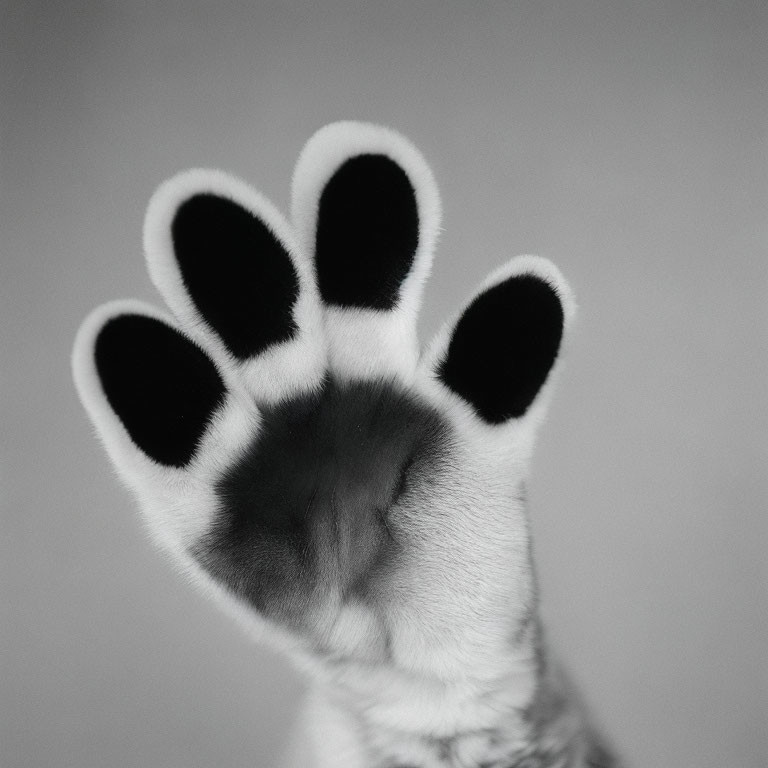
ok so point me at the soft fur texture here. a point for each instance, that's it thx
(359, 504)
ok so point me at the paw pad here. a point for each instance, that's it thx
(164, 388)
(503, 347)
(238, 274)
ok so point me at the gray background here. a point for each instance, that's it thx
(626, 141)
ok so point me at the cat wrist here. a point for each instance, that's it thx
(386, 718)
(390, 699)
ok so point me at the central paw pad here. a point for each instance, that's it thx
(312, 503)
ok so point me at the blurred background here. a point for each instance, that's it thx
(625, 141)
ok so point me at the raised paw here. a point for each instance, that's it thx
(286, 439)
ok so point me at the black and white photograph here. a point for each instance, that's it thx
(384, 384)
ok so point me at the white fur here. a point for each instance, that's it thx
(394, 713)
(368, 343)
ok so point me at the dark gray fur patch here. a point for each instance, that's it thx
(308, 506)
